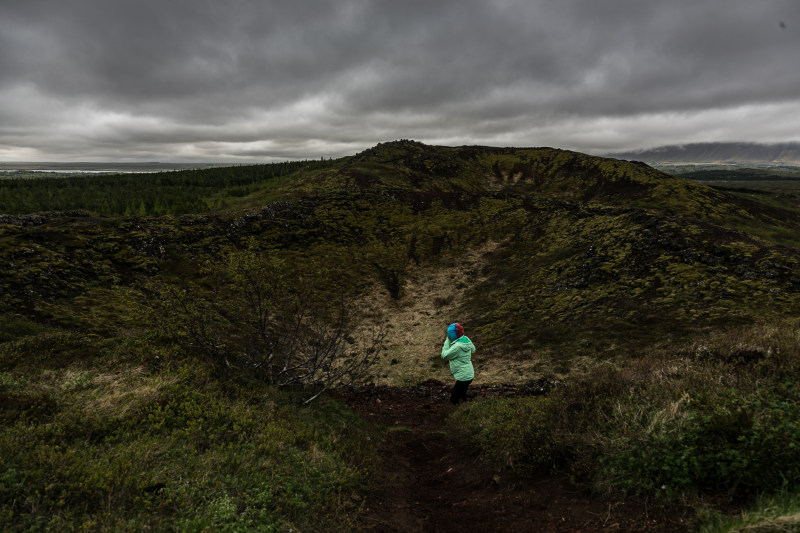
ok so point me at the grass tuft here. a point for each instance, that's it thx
(670, 425)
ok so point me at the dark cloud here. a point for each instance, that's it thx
(249, 79)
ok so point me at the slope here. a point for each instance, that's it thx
(593, 256)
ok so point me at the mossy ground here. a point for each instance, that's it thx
(556, 262)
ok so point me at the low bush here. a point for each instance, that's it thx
(13, 327)
(669, 425)
(777, 513)
(724, 442)
(512, 433)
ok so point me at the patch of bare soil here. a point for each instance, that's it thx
(431, 483)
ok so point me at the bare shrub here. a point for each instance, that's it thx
(266, 320)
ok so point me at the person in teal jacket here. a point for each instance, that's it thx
(458, 350)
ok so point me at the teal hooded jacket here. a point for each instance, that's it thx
(459, 354)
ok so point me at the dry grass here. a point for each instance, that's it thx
(788, 524)
(124, 391)
(432, 297)
(107, 394)
(663, 420)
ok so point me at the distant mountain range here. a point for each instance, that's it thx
(718, 153)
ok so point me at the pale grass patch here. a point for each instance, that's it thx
(669, 417)
(766, 337)
(121, 392)
(417, 323)
(666, 372)
(316, 454)
(110, 394)
(787, 523)
(670, 372)
(586, 365)
(70, 379)
(777, 514)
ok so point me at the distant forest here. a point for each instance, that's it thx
(162, 193)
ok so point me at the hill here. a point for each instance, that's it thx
(152, 364)
(593, 253)
(746, 154)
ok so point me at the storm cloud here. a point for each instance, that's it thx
(248, 80)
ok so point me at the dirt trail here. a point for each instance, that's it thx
(429, 483)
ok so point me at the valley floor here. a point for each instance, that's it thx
(428, 482)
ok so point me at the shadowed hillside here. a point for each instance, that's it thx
(592, 254)
(636, 335)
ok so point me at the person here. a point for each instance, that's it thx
(458, 350)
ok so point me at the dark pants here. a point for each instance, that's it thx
(459, 391)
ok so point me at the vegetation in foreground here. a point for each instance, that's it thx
(657, 427)
(665, 309)
(131, 434)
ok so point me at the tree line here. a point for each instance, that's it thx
(162, 193)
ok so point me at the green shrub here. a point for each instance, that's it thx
(728, 442)
(13, 327)
(778, 513)
(528, 435)
(694, 421)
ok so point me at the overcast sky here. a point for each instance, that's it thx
(264, 80)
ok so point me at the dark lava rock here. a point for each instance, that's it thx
(537, 387)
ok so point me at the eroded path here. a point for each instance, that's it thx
(429, 483)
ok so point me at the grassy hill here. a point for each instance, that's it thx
(616, 253)
(557, 262)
